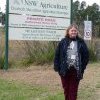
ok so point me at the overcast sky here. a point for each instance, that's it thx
(90, 2)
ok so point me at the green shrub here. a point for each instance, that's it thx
(1, 62)
(92, 53)
(38, 52)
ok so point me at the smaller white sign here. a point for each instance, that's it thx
(87, 30)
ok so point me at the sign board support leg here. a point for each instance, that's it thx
(71, 12)
(6, 36)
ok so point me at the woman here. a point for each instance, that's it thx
(71, 59)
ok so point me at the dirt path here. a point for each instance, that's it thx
(35, 75)
(44, 76)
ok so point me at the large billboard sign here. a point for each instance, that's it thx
(38, 19)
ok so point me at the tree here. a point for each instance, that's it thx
(83, 5)
(80, 12)
(76, 14)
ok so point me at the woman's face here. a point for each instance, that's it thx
(73, 32)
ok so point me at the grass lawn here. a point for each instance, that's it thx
(15, 90)
(18, 91)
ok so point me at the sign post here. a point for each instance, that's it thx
(6, 36)
(71, 21)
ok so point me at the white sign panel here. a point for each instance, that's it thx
(87, 30)
(38, 19)
(58, 8)
(34, 34)
(37, 22)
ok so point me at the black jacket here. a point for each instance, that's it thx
(60, 64)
